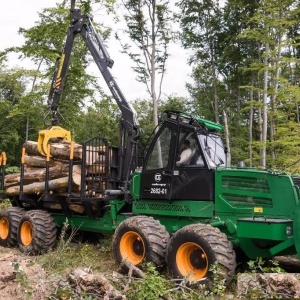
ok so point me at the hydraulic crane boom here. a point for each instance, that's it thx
(82, 25)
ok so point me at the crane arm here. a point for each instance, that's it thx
(129, 129)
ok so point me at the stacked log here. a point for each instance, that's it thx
(35, 170)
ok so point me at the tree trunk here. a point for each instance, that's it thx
(39, 162)
(265, 108)
(250, 128)
(34, 180)
(276, 87)
(228, 154)
(57, 150)
(36, 175)
(39, 187)
(35, 169)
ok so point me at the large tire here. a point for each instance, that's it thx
(9, 222)
(194, 248)
(141, 239)
(36, 232)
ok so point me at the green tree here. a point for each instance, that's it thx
(43, 45)
(271, 24)
(16, 104)
(200, 23)
(100, 119)
(149, 29)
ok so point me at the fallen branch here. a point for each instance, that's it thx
(133, 270)
(95, 284)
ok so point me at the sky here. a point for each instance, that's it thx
(16, 14)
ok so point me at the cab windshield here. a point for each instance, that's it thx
(213, 149)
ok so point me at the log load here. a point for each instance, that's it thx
(32, 174)
(57, 150)
(35, 172)
(39, 187)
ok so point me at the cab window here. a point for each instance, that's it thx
(159, 156)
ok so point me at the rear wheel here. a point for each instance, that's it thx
(193, 249)
(139, 239)
(36, 232)
(9, 222)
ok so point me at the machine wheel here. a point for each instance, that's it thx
(36, 232)
(139, 239)
(9, 222)
(194, 248)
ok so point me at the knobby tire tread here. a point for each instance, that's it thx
(44, 232)
(14, 215)
(218, 241)
(155, 234)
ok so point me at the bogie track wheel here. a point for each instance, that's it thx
(9, 222)
(36, 232)
(193, 249)
(140, 239)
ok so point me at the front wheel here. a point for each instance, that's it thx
(195, 248)
(9, 222)
(139, 239)
(36, 232)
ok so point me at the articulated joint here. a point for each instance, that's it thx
(230, 226)
(217, 224)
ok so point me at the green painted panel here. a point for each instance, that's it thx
(296, 229)
(106, 224)
(200, 209)
(210, 124)
(135, 185)
(253, 192)
(246, 183)
(245, 195)
(269, 229)
(173, 224)
(247, 199)
(253, 250)
(103, 225)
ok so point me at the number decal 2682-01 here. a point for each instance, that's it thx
(162, 191)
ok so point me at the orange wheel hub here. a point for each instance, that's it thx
(191, 261)
(132, 247)
(26, 233)
(4, 228)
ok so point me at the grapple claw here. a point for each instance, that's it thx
(47, 134)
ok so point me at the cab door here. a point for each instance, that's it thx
(157, 173)
(193, 179)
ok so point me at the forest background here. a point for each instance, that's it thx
(244, 54)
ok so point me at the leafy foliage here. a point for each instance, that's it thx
(153, 287)
(227, 41)
(262, 266)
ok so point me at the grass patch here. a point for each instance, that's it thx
(77, 256)
(4, 204)
(71, 252)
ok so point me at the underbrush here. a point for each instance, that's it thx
(4, 204)
(72, 251)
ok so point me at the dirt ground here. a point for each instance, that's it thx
(20, 277)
